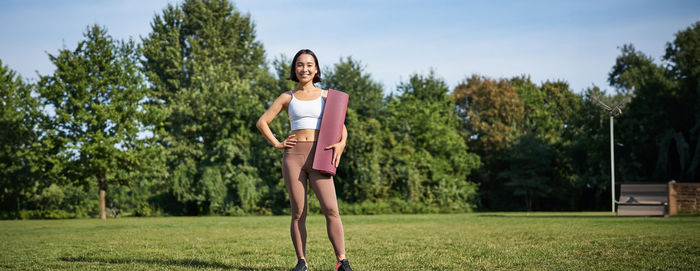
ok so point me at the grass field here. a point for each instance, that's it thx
(477, 241)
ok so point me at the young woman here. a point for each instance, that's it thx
(304, 106)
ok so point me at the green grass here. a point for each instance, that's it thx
(478, 241)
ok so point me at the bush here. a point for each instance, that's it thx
(46, 214)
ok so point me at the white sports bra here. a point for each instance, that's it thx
(305, 114)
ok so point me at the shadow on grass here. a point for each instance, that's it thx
(182, 263)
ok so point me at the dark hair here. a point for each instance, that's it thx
(293, 74)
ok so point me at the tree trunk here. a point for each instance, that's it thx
(528, 202)
(103, 192)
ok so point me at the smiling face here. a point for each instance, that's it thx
(305, 68)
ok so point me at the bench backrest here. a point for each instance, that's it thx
(644, 192)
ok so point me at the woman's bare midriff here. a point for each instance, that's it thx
(305, 134)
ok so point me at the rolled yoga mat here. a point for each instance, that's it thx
(331, 131)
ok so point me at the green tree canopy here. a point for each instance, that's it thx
(491, 112)
(430, 161)
(209, 74)
(349, 75)
(529, 168)
(658, 129)
(95, 94)
(20, 117)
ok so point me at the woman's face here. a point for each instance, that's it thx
(305, 68)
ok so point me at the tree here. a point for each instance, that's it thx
(529, 168)
(95, 93)
(550, 110)
(430, 161)
(498, 117)
(209, 75)
(490, 111)
(491, 118)
(20, 117)
(349, 75)
(683, 56)
(654, 119)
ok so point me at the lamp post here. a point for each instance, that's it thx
(612, 163)
(613, 111)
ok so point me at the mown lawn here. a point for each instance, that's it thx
(477, 241)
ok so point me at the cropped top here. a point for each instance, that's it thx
(305, 114)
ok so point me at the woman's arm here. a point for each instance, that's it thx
(267, 117)
(344, 136)
(339, 147)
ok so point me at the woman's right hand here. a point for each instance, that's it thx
(287, 143)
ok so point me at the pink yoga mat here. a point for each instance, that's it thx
(331, 130)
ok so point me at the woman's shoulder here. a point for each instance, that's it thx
(287, 95)
(285, 98)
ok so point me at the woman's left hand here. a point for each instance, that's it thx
(337, 151)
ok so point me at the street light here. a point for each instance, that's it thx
(614, 111)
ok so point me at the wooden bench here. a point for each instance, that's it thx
(643, 200)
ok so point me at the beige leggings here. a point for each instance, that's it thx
(296, 169)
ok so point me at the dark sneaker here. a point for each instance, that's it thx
(343, 265)
(301, 266)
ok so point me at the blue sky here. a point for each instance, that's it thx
(576, 41)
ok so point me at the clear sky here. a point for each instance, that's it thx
(576, 41)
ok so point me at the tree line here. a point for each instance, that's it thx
(166, 126)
